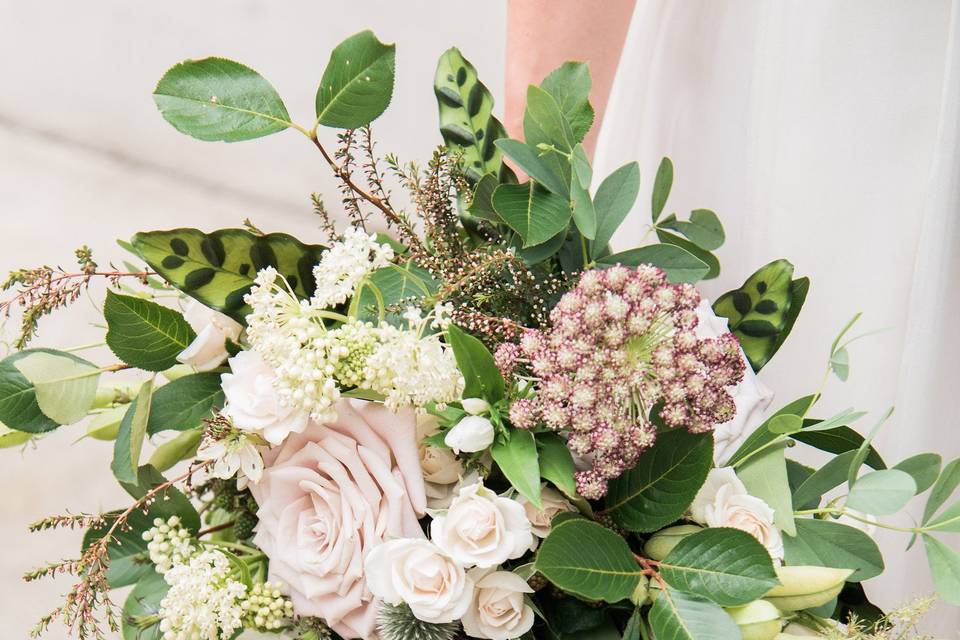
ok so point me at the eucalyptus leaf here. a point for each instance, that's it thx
(829, 476)
(536, 214)
(882, 493)
(517, 458)
(612, 201)
(145, 334)
(357, 83)
(839, 440)
(924, 468)
(704, 229)
(662, 184)
(65, 385)
(712, 262)
(830, 544)
(947, 520)
(679, 265)
(762, 435)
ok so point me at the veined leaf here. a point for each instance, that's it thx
(144, 602)
(589, 560)
(830, 544)
(129, 442)
(570, 84)
(184, 403)
(882, 493)
(679, 265)
(65, 385)
(145, 334)
(18, 400)
(535, 166)
(218, 268)
(467, 122)
(584, 214)
(518, 459)
(533, 212)
(481, 376)
(357, 83)
(219, 99)
(613, 201)
(556, 463)
(676, 615)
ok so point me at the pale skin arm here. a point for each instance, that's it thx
(542, 34)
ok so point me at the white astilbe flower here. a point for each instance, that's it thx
(203, 602)
(345, 264)
(168, 544)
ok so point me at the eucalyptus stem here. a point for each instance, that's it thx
(84, 347)
(841, 511)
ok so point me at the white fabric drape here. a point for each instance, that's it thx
(827, 133)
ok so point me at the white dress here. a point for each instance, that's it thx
(825, 132)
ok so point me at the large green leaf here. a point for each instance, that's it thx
(882, 493)
(18, 400)
(395, 287)
(765, 476)
(570, 84)
(535, 166)
(586, 559)
(143, 333)
(218, 268)
(945, 566)
(219, 99)
(924, 468)
(612, 201)
(517, 458)
(467, 122)
(64, 384)
(184, 403)
(762, 310)
(133, 430)
(831, 544)
(676, 615)
(143, 604)
(727, 566)
(536, 214)
(556, 463)
(839, 440)
(481, 376)
(679, 264)
(358, 82)
(663, 483)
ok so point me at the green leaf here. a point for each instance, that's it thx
(676, 615)
(613, 201)
(839, 440)
(882, 493)
(399, 286)
(827, 477)
(533, 212)
(945, 567)
(481, 203)
(844, 418)
(143, 603)
(218, 268)
(663, 483)
(539, 253)
(581, 166)
(569, 84)
(762, 435)
(703, 229)
(765, 476)
(184, 403)
(518, 460)
(358, 82)
(679, 265)
(556, 463)
(544, 122)
(703, 255)
(183, 447)
(760, 311)
(11, 438)
(661, 187)
(785, 423)
(133, 429)
(864, 448)
(466, 117)
(948, 520)
(18, 400)
(943, 488)
(588, 560)
(145, 334)
(530, 161)
(830, 544)
(724, 565)
(65, 385)
(924, 468)
(634, 624)
(216, 99)
(584, 214)
(479, 369)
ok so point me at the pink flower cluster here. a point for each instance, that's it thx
(621, 344)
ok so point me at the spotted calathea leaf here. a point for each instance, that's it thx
(763, 310)
(466, 117)
(218, 268)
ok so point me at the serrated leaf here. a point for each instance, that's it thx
(663, 483)
(482, 378)
(726, 566)
(662, 184)
(216, 99)
(466, 117)
(65, 385)
(830, 544)
(145, 334)
(570, 84)
(588, 560)
(882, 493)
(357, 83)
(612, 201)
(533, 212)
(943, 488)
(676, 615)
(556, 463)
(218, 268)
(133, 430)
(679, 265)
(517, 458)
(924, 468)
(184, 403)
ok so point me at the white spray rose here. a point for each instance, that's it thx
(540, 519)
(252, 400)
(208, 350)
(723, 501)
(417, 572)
(498, 611)
(481, 528)
(471, 434)
(751, 397)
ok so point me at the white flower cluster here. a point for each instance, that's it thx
(168, 544)
(266, 608)
(203, 602)
(313, 361)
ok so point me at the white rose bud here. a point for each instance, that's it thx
(475, 406)
(208, 350)
(481, 528)
(417, 572)
(471, 434)
(540, 519)
(498, 611)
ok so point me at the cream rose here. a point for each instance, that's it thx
(751, 397)
(540, 519)
(441, 468)
(498, 610)
(209, 349)
(417, 572)
(252, 401)
(481, 528)
(723, 501)
(331, 495)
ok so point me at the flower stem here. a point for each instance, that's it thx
(840, 511)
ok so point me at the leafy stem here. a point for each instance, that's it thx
(841, 511)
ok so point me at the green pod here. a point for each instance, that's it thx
(662, 543)
(758, 620)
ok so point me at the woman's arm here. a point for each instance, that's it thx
(542, 34)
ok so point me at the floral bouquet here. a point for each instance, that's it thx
(481, 424)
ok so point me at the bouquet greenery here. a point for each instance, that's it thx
(483, 424)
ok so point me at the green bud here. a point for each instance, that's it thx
(663, 542)
(758, 620)
(806, 587)
(642, 592)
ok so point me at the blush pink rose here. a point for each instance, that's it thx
(327, 497)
